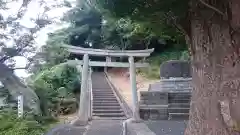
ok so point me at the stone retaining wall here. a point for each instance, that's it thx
(166, 99)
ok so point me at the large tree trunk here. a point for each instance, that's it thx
(215, 40)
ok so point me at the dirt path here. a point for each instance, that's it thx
(120, 79)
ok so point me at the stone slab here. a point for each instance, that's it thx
(175, 68)
(154, 97)
(154, 114)
(172, 85)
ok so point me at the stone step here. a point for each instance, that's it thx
(104, 101)
(109, 118)
(178, 116)
(104, 86)
(178, 110)
(179, 94)
(106, 104)
(104, 97)
(174, 85)
(107, 111)
(102, 92)
(105, 89)
(102, 89)
(107, 107)
(179, 97)
(109, 114)
(179, 105)
(180, 101)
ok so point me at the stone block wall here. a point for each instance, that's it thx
(166, 99)
(153, 98)
(159, 105)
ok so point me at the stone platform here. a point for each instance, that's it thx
(167, 99)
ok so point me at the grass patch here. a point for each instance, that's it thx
(12, 125)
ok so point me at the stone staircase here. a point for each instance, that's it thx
(179, 105)
(106, 105)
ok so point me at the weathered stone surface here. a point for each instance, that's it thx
(173, 91)
(159, 114)
(154, 112)
(151, 98)
(180, 96)
(175, 68)
(155, 106)
(172, 85)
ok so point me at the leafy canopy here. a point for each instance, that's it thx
(160, 16)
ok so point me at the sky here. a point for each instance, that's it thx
(32, 12)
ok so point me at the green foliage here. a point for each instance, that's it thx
(54, 85)
(52, 53)
(85, 26)
(12, 125)
(89, 25)
(160, 16)
(185, 55)
(124, 34)
(54, 80)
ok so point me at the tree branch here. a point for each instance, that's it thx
(19, 68)
(212, 7)
(4, 58)
(174, 23)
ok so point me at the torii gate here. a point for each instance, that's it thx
(84, 105)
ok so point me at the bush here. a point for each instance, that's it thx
(12, 125)
(55, 85)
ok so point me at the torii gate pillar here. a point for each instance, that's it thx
(132, 69)
(83, 114)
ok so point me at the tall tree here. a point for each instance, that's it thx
(18, 39)
(211, 28)
(85, 26)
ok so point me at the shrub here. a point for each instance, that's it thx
(12, 125)
(56, 85)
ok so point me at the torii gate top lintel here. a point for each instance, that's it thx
(110, 53)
